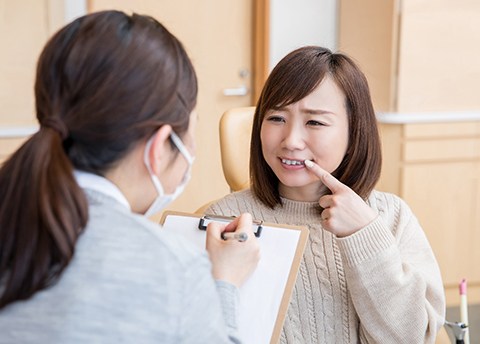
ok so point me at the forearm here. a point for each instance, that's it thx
(398, 295)
(210, 307)
(229, 298)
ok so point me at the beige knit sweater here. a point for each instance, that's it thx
(379, 285)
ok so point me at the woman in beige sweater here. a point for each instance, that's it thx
(368, 274)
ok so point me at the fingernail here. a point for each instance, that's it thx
(308, 163)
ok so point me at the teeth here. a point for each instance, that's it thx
(293, 162)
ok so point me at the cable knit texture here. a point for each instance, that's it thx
(380, 285)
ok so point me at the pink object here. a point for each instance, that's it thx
(463, 287)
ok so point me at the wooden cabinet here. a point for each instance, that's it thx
(8, 146)
(435, 168)
(420, 58)
(24, 29)
(418, 55)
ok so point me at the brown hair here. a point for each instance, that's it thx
(104, 83)
(293, 78)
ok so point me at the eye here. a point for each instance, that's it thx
(314, 123)
(275, 119)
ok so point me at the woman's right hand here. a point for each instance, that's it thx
(233, 261)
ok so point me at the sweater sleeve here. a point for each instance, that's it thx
(210, 308)
(394, 279)
(229, 297)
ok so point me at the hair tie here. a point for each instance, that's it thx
(56, 124)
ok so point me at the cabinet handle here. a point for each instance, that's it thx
(236, 91)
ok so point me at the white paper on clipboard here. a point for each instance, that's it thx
(265, 296)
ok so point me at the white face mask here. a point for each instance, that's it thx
(163, 199)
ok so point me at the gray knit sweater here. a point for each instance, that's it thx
(379, 285)
(129, 282)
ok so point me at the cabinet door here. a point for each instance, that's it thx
(24, 29)
(8, 146)
(438, 50)
(445, 197)
(368, 31)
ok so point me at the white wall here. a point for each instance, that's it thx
(295, 23)
(74, 9)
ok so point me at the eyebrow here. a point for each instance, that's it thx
(316, 112)
(306, 111)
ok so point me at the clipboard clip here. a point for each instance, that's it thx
(206, 219)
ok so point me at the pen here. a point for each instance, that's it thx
(240, 236)
(464, 307)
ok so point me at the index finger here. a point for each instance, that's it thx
(327, 179)
(215, 229)
(243, 223)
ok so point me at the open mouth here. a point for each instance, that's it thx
(293, 162)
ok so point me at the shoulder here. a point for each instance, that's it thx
(394, 211)
(147, 276)
(387, 202)
(112, 228)
(235, 203)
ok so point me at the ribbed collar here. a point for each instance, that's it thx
(100, 184)
(308, 211)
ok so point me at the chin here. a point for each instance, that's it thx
(297, 182)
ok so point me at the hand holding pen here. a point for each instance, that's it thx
(233, 249)
(242, 236)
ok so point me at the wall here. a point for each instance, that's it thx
(74, 9)
(302, 22)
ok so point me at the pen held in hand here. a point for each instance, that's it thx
(240, 236)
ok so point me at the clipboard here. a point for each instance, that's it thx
(265, 296)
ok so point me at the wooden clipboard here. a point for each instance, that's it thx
(265, 296)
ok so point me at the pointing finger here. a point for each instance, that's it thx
(327, 179)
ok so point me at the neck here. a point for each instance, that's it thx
(131, 177)
(307, 193)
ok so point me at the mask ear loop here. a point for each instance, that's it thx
(181, 147)
(146, 161)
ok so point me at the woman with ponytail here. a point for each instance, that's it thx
(79, 260)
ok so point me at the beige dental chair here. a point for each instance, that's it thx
(235, 132)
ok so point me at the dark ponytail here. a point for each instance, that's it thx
(42, 212)
(105, 83)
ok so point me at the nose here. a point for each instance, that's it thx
(294, 138)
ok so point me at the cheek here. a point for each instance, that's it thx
(265, 139)
(173, 175)
(270, 142)
(263, 133)
(329, 150)
(270, 136)
(343, 141)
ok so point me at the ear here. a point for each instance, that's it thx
(160, 149)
